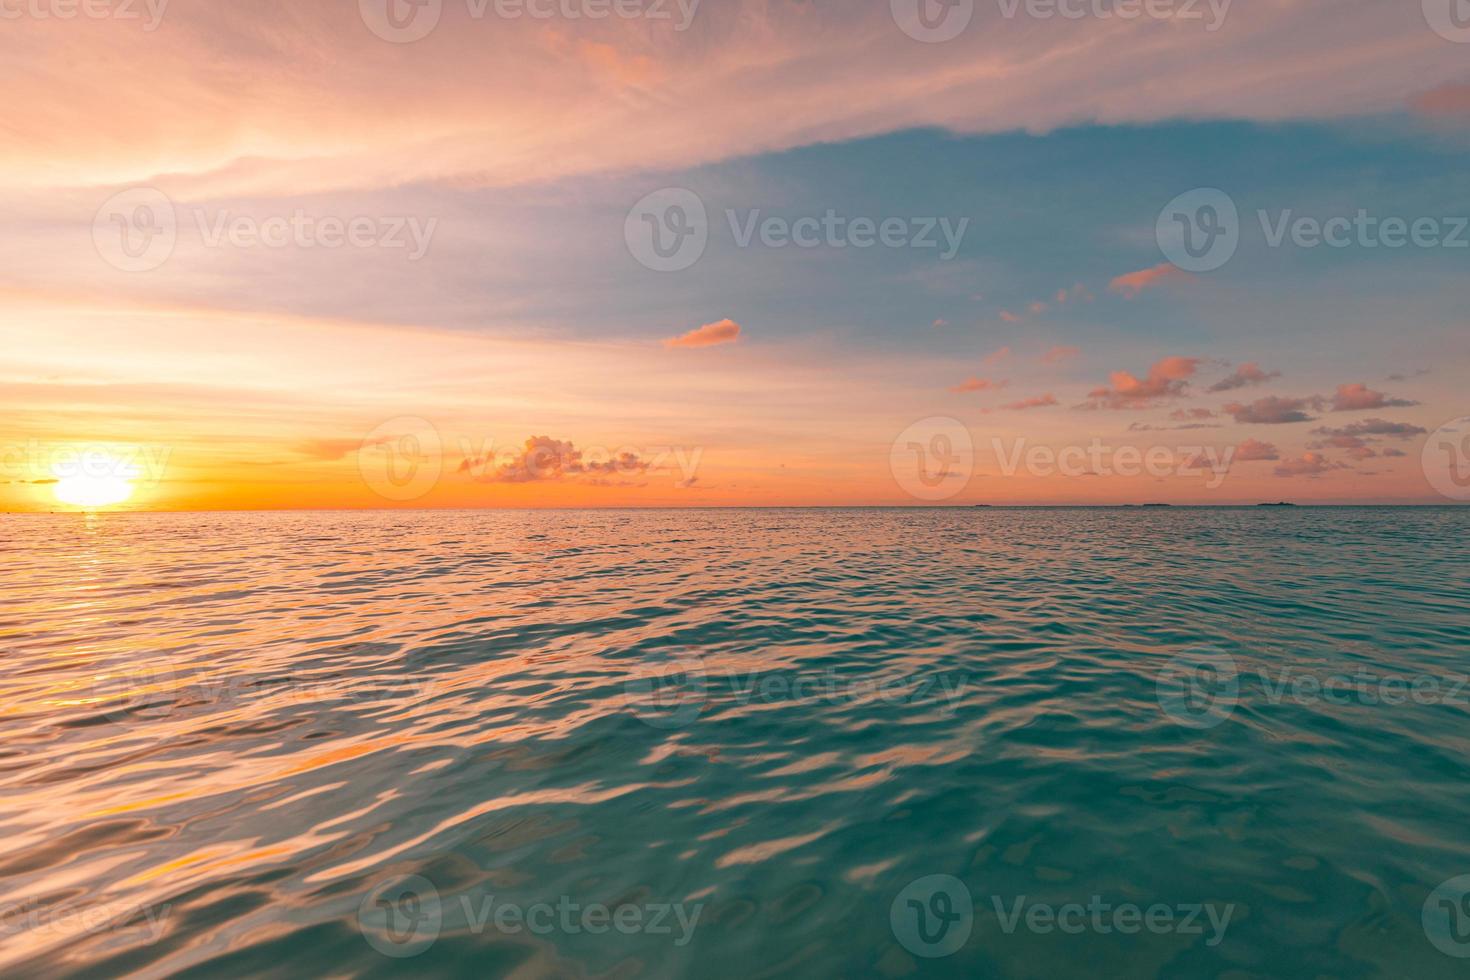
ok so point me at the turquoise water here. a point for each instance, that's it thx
(981, 742)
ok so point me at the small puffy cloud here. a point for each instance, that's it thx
(1059, 353)
(1373, 427)
(1166, 379)
(1308, 464)
(1274, 410)
(1131, 284)
(977, 384)
(725, 331)
(1009, 317)
(543, 458)
(1040, 401)
(995, 357)
(1254, 449)
(1191, 414)
(941, 322)
(1247, 374)
(1077, 294)
(1394, 452)
(1357, 396)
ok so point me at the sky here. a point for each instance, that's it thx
(552, 253)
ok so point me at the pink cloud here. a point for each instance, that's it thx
(977, 384)
(1040, 401)
(723, 332)
(1166, 379)
(543, 458)
(1254, 449)
(1131, 284)
(1446, 100)
(1059, 353)
(1009, 317)
(995, 357)
(1308, 464)
(1274, 410)
(1357, 396)
(940, 323)
(1247, 374)
(1374, 427)
(1191, 414)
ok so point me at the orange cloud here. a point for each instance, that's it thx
(977, 384)
(1040, 401)
(1255, 449)
(1059, 353)
(1358, 396)
(1166, 379)
(726, 331)
(1131, 284)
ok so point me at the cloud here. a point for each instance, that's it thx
(1191, 414)
(1166, 379)
(977, 384)
(1254, 449)
(497, 101)
(1308, 464)
(1040, 401)
(1357, 396)
(1449, 100)
(543, 458)
(1059, 353)
(1247, 374)
(1077, 294)
(725, 331)
(1274, 410)
(1374, 427)
(995, 357)
(1131, 284)
(1009, 317)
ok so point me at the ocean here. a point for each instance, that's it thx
(978, 742)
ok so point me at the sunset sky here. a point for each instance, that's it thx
(407, 273)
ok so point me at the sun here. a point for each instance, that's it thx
(99, 481)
